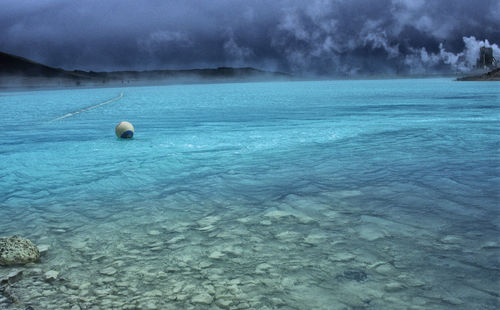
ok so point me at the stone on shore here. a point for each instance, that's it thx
(17, 251)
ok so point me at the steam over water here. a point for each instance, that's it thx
(295, 195)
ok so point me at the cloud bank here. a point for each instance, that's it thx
(320, 37)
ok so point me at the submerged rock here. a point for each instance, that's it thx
(490, 245)
(176, 239)
(278, 215)
(224, 302)
(17, 251)
(154, 233)
(451, 239)
(44, 248)
(11, 277)
(353, 275)
(371, 232)
(315, 239)
(288, 236)
(342, 257)
(202, 298)
(262, 268)
(208, 221)
(393, 287)
(108, 271)
(51, 275)
(266, 223)
(216, 255)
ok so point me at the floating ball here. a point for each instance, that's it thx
(124, 130)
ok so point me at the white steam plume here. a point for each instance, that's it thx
(421, 61)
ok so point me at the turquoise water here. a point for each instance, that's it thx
(375, 194)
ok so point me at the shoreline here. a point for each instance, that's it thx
(492, 76)
(171, 82)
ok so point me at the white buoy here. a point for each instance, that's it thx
(124, 130)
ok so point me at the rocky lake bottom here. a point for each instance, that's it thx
(318, 252)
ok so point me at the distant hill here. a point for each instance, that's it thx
(17, 71)
(493, 75)
(11, 65)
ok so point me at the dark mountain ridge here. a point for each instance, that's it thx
(17, 71)
(18, 66)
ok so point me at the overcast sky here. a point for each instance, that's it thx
(331, 37)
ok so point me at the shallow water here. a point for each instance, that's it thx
(295, 195)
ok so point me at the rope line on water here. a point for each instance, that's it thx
(87, 108)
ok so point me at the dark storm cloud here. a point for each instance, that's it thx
(317, 36)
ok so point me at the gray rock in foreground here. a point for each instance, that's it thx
(17, 251)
